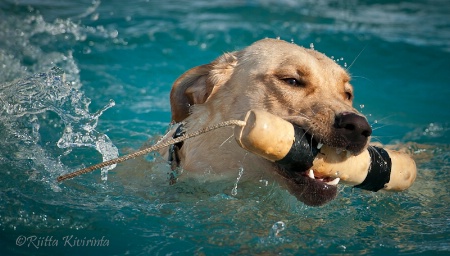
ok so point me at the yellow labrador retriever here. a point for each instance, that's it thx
(300, 85)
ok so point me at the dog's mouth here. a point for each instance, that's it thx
(311, 190)
(302, 182)
(300, 178)
(350, 132)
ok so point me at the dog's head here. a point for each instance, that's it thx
(300, 85)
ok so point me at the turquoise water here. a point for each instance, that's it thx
(88, 80)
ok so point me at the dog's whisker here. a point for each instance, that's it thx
(298, 117)
(297, 113)
(363, 77)
(311, 146)
(357, 56)
(376, 122)
(311, 142)
(384, 118)
(312, 138)
(312, 110)
(294, 118)
(376, 139)
(380, 127)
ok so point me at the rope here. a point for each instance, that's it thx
(151, 148)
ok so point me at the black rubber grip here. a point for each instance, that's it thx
(379, 172)
(302, 153)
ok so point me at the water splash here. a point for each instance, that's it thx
(30, 44)
(43, 115)
(234, 190)
(36, 110)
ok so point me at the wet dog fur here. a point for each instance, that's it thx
(300, 85)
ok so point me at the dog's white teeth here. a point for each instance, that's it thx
(319, 145)
(311, 174)
(334, 182)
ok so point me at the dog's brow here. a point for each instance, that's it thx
(346, 77)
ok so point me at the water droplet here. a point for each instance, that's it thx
(277, 228)
(86, 50)
(114, 33)
(342, 247)
(234, 190)
(104, 174)
(361, 106)
(311, 46)
(94, 16)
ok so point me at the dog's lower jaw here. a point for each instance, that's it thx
(309, 191)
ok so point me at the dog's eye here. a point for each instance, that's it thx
(293, 82)
(348, 95)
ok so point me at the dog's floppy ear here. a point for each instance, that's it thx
(196, 85)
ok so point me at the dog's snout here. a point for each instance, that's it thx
(353, 126)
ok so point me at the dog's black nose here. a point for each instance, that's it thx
(353, 127)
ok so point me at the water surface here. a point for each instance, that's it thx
(86, 81)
